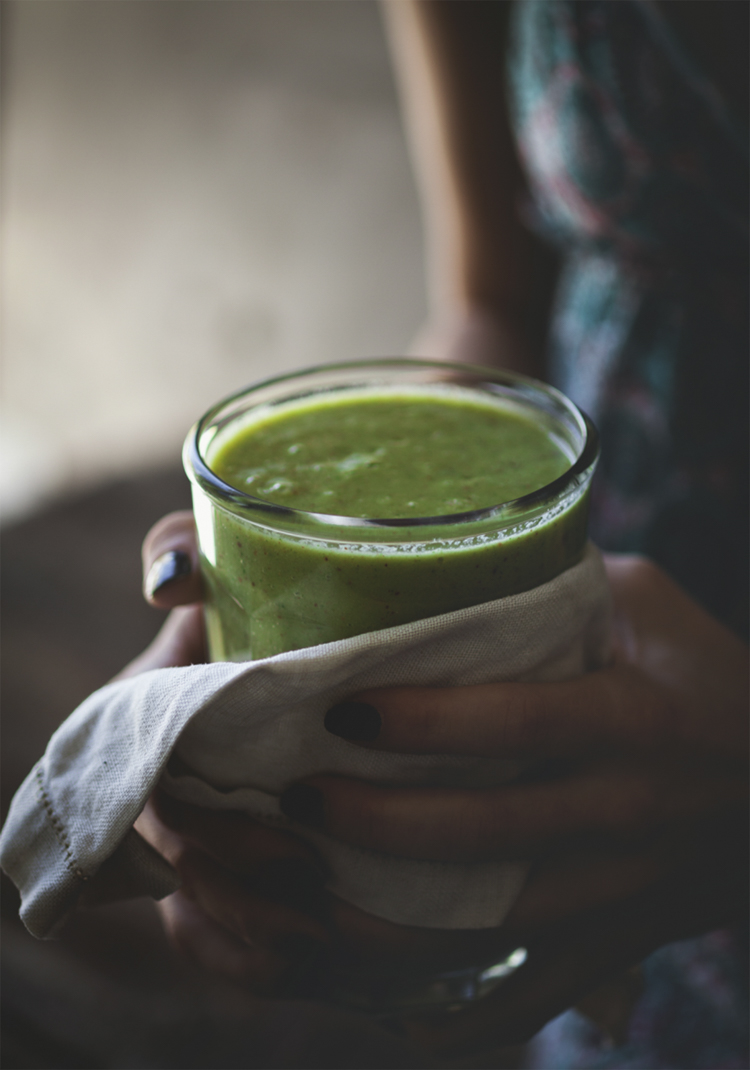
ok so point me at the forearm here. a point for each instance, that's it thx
(449, 58)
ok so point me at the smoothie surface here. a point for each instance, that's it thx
(380, 455)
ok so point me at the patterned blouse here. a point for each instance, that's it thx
(639, 172)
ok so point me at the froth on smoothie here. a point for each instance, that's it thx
(380, 454)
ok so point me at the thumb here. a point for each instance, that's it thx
(171, 570)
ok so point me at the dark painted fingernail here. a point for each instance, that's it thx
(166, 569)
(303, 803)
(356, 721)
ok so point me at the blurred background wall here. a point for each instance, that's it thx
(197, 193)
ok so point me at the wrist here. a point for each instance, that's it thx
(493, 337)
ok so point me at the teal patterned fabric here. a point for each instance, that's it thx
(692, 1016)
(640, 173)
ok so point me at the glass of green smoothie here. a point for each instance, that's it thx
(353, 497)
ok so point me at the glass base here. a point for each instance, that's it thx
(404, 994)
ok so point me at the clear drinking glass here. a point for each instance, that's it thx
(279, 578)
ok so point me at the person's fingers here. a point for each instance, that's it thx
(611, 708)
(204, 941)
(569, 883)
(363, 940)
(255, 930)
(559, 889)
(171, 568)
(612, 803)
(555, 893)
(233, 839)
(559, 971)
(651, 700)
(648, 603)
(250, 917)
(182, 638)
(678, 646)
(568, 961)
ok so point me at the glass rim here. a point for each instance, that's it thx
(199, 471)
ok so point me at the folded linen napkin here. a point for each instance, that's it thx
(244, 731)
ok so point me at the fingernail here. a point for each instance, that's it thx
(166, 569)
(356, 721)
(303, 803)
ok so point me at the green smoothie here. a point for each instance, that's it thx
(390, 456)
(279, 577)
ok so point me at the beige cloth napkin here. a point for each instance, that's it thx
(245, 731)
